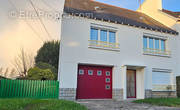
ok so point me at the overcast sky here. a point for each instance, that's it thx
(173, 5)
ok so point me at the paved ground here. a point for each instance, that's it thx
(119, 105)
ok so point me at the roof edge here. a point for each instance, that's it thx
(173, 32)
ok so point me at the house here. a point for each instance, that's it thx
(166, 17)
(109, 52)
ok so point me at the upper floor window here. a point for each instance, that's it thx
(112, 37)
(155, 46)
(94, 34)
(163, 45)
(103, 35)
(145, 42)
(151, 43)
(103, 38)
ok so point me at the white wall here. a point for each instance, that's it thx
(140, 91)
(27, 33)
(122, 81)
(74, 50)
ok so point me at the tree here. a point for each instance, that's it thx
(40, 74)
(23, 62)
(49, 53)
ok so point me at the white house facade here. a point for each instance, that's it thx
(108, 52)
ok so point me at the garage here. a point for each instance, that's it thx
(94, 82)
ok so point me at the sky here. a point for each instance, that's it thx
(173, 5)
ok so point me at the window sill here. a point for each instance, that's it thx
(104, 48)
(161, 88)
(155, 52)
(103, 45)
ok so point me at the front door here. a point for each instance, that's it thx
(131, 84)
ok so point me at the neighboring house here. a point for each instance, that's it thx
(154, 9)
(109, 52)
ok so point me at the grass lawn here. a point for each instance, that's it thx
(171, 102)
(37, 104)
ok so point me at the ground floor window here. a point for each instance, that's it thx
(161, 81)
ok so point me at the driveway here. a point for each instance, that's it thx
(119, 105)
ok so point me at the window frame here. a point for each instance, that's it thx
(156, 50)
(151, 39)
(81, 70)
(108, 87)
(164, 49)
(108, 80)
(91, 73)
(93, 28)
(108, 34)
(162, 86)
(145, 42)
(156, 40)
(98, 72)
(109, 73)
(104, 35)
(112, 38)
(107, 42)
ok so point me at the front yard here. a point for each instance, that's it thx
(37, 104)
(170, 102)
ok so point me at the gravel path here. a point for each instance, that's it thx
(120, 105)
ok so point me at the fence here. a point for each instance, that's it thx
(178, 85)
(28, 89)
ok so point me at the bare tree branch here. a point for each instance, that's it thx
(6, 72)
(12, 73)
(23, 62)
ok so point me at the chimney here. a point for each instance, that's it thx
(159, 4)
(151, 4)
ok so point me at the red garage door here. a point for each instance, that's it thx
(94, 82)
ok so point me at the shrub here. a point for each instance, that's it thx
(40, 74)
(43, 65)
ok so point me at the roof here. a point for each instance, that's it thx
(100, 11)
(174, 14)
